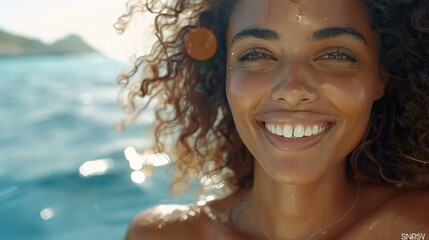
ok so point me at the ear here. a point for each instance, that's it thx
(381, 84)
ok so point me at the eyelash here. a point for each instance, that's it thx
(345, 56)
(255, 54)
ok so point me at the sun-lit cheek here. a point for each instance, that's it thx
(244, 94)
(247, 87)
(233, 85)
(238, 103)
(237, 91)
(350, 96)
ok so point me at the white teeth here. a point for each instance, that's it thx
(269, 127)
(315, 129)
(321, 129)
(288, 131)
(298, 131)
(279, 130)
(308, 132)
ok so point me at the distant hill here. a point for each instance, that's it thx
(13, 45)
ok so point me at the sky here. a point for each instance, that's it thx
(50, 20)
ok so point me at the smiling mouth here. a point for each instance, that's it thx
(296, 130)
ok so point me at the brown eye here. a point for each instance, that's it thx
(255, 55)
(338, 56)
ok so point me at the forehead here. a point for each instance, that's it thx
(286, 14)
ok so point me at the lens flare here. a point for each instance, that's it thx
(200, 43)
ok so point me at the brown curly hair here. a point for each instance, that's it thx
(193, 117)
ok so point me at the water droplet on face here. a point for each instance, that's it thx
(400, 218)
(369, 227)
(299, 17)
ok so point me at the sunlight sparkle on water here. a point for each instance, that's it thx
(95, 167)
(138, 177)
(47, 213)
(87, 98)
(136, 165)
(131, 154)
(156, 159)
(138, 160)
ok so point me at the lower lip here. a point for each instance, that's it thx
(294, 144)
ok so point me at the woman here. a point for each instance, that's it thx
(314, 113)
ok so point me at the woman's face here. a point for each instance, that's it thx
(302, 78)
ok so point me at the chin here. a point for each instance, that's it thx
(297, 171)
(294, 174)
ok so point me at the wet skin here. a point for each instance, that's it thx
(314, 63)
(300, 64)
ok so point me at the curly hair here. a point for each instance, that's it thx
(193, 117)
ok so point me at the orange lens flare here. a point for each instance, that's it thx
(200, 43)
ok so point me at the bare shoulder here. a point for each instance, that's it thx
(166, 221)
(405, 216)
(205, 221)
(390, 213)
(409, 212)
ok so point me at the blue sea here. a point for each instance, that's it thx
(63, 171)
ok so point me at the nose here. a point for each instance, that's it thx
(293, 87)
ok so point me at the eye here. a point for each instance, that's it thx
(255, 54)
(338, 55)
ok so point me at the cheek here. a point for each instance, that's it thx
(352, 97)
(244, 92)
(352, 100)
(235, 95)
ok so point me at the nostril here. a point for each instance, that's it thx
(294, 97)
(281, 99)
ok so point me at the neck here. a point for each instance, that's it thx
(303, 211)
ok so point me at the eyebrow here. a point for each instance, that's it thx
(336, 32)
(255, 33)
(322, 34)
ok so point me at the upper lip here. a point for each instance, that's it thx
(288, 117)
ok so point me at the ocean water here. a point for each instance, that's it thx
(57, 117)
